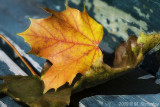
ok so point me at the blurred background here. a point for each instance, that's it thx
(120, 19)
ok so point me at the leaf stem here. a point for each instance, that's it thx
(15, 50)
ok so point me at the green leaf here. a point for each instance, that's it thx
(53, 99)
(22, 88)
(29, 89)
(148, 42)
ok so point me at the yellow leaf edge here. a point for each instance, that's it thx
(100, 72)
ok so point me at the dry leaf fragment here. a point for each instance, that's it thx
(124, 56)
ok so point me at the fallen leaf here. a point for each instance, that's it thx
(22, 88)
(29, 90)
(69, 40)
(59, 98)
(148, 41)
(127, 56)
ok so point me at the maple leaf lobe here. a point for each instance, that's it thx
(69, 40)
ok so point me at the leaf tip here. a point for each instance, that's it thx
(66, 5)
(84, 10)
(29, 18)
(19, 34)
(47, 10)
(43, 8)
(29, 52)
(84, 7)
(70, 82)
(45, 91)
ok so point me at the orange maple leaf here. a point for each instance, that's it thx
(69, 40)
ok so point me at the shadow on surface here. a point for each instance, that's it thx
(127, 84)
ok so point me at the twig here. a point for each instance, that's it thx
(15, 50)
